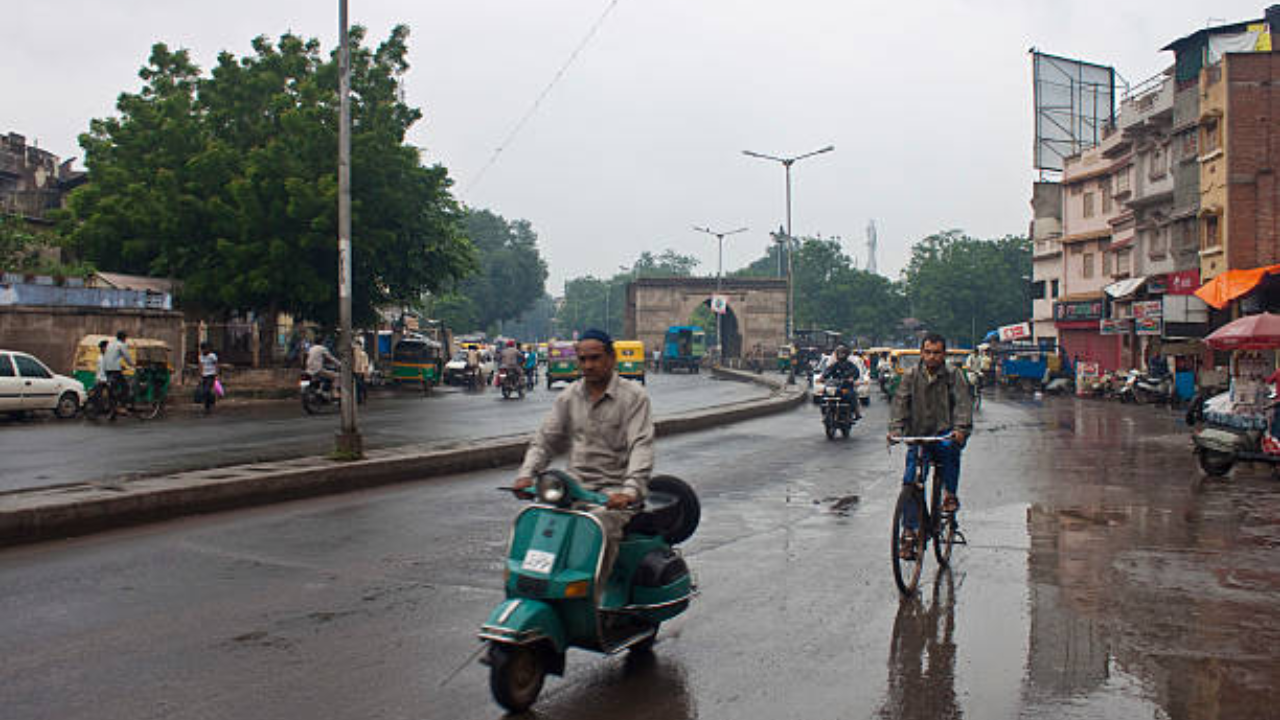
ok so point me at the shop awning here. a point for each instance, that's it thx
(1124, 288)
(1233, 284)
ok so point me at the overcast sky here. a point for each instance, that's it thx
(928, 104)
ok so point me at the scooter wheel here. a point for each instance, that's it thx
(1215, 463)
(516, 673)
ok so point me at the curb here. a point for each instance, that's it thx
(60, 512)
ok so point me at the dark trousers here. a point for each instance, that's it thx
(948, 457)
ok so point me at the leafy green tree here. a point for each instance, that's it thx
(962, 287)
(229, 183)
(512, 274)
(26, 251)
(667, 264)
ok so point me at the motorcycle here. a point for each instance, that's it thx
(511, 383)
(317, 394)
(1141, 388)
(837, 408)
(556, 597)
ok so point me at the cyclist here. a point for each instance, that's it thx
(932, 400)
(116, 359)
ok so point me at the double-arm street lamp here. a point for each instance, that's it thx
(720, 236)
(787, 162)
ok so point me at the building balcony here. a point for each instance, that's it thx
(1150, 102)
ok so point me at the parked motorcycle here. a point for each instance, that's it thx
(556, 598)
(1140, 387)
(511, 384)
(837, 407)
(318, 394)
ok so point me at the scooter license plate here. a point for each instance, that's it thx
(538, 561)
(303, 384)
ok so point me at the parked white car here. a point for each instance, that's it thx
(455, 369)
(27, 385)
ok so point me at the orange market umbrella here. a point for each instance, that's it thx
(1251, 332)
(1233, 284)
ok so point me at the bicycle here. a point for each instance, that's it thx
(143, 397)
(931, 522)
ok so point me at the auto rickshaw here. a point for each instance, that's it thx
(562, 363)
(630, 356)
(149, 374)
(900, 361)
(784, 359)
(417, 360)
(542, 353)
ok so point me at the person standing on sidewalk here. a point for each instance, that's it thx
(359, 368)
(208, 377)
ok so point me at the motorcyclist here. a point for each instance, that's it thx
(510, 360)
(606, 426)
(841, 370)
(319, 362)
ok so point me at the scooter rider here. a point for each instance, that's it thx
(606, 426)
(318, 358)
(841, 370)
(510, 360)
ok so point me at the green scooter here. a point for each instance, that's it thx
(555, 597)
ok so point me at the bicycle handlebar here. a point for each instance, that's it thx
(920, 440)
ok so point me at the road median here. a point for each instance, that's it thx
(65, 511)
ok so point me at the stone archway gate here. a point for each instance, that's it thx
(759, 304)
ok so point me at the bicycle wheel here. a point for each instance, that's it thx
(906, 572)
(944, 524)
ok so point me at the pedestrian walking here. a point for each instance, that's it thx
(207, 393)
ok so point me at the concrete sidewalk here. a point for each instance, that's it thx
(42, 514)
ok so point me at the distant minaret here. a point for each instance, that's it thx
(871, 246)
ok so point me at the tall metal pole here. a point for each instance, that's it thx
(348, 442)
(787, 163)
(719, 236)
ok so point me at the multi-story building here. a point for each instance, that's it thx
(33, 181)
(1092, 217)
(1046, 257)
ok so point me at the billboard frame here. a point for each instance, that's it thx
(1065, 129)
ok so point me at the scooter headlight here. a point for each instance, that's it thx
(550, 489)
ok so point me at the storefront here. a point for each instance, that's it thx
(1078, 321)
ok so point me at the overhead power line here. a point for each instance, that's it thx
(541, 96)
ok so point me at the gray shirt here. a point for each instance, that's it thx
(929, 404)
(609, 441)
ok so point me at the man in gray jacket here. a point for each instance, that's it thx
(606, 426)
(933, 400)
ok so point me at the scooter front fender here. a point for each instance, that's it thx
(523, 621)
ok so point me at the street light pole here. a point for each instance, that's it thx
(787, 162)
(720, 236)
(348, 442)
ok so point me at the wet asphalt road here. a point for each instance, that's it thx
(1104, 579)
(36, 454)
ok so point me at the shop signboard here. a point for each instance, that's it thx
(1114, 326)
(1143, 309)
(1148, 325)
(1019, 331)
(1077, 310)
(1184, 282)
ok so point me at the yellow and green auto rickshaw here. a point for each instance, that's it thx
(562, 363)
(416, 360)
(149, 374)
(784, 358)
(542, 353)
(630, 356)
